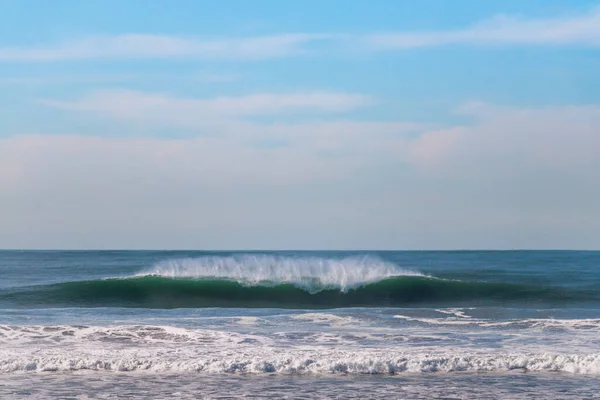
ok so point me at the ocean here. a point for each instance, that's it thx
(389, 324)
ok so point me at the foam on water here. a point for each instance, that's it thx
(290, 363)
(309, 273)
(322, 318)
(168, 349)
(529, 323)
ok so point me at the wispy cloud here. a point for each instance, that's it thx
(139, 46)
(501, 30)
(583, 28)
(153, 107)
(200, 77)
(64, 79)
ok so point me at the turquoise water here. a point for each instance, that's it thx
(399, 320)
(299, 280)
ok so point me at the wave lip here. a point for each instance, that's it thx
(312, 274)
(271, 281)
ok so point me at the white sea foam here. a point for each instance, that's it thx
(454, 311)
(323, 318)
(169, 349)
(301, 363)
(294, 361)
(530, 323)
(251, 321)
(438, 321)
(310, 273)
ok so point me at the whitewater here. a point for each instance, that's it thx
(356, 351)
(310, 273)
(185, 322)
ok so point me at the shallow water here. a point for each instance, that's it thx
(220, 386)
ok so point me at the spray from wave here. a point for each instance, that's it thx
(312, 274)
(267, 281)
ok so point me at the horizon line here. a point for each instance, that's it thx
(290, 250)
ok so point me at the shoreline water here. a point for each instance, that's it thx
(83, 386)
(496, 344)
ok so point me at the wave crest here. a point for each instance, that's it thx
(312, 274)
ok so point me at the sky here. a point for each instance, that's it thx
(268, 124)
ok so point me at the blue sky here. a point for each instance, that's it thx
(314, 124)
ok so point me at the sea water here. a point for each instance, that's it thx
(181, 324)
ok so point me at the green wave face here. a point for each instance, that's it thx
(402, 291)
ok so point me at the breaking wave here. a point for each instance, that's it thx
(284, 282)
(312, 274)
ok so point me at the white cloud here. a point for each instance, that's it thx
(571, 29)
(514, 178)
(557, 138)
(63, 80)
(204, 77)
(191, 112)
(502, 30)
(140, 46)
(522, 178)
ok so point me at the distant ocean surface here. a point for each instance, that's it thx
(186, 324)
